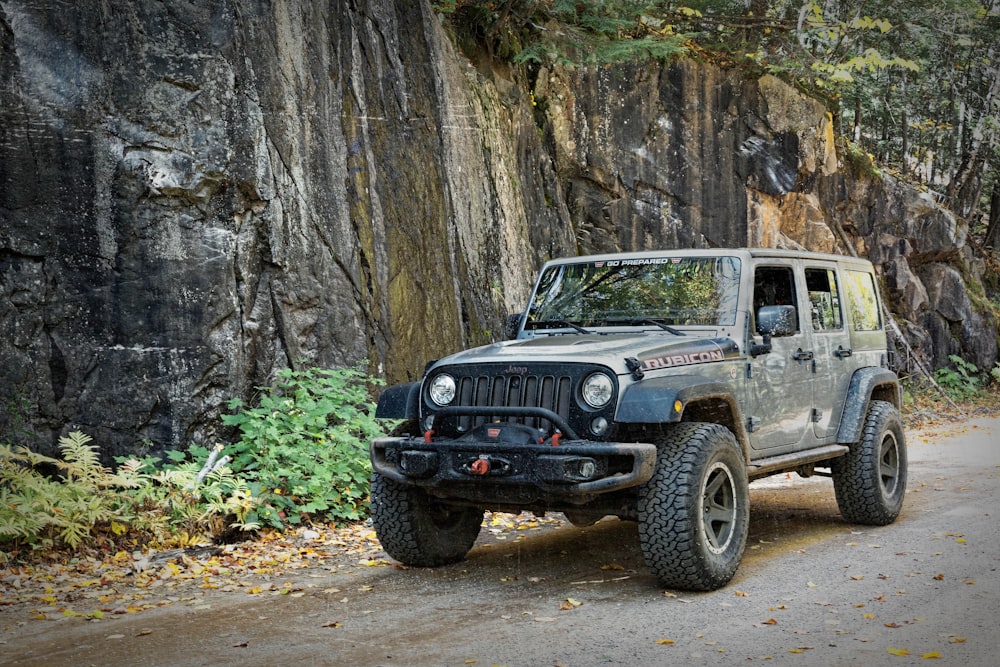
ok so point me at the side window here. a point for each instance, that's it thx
(824, 299)
(862, 303)
(774, 286)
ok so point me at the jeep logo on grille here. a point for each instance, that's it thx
(516, 370)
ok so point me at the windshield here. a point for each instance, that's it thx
(665, 290)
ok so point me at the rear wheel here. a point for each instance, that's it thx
(419, 530)
(870, 480)
(694, 511)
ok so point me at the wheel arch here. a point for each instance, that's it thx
(702, 399)
(867, 384)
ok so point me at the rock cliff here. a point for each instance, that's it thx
(194, 195)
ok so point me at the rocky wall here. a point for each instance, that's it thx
(195, 195)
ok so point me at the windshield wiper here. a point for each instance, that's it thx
(649, 320)
(558, 324)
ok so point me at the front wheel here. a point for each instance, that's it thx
(694, 511)
(416, 529)
(870, 480)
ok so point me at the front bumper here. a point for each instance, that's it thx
(574, 470)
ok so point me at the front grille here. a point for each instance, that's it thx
(552, 392)
(553, 386)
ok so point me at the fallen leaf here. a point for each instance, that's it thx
(957, 640)
(893, 625)
(938, 577)
(741, 594)
(769, 621)
(931, 655)
(898, 651)
(332, 624)
(665, 642)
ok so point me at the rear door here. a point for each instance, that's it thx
(834, 360)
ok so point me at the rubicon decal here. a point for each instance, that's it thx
(699, 352)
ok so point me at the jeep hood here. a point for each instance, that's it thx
(653, 349)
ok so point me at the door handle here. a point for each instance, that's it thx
(801, 355)
(842, 353)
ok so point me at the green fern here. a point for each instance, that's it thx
(88, 501)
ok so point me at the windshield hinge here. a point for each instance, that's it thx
(635, 367)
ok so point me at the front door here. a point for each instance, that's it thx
(781, 381)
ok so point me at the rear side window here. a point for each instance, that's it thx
(862, 302)
(824, 299)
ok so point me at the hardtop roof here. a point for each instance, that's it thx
(746, 253)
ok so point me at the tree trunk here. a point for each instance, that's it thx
(904, 126)
(992, 239)
(974, 156)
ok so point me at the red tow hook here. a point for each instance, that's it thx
(480, 467)
(427, 435)
(555, 439)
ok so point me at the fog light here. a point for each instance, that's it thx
(588, 469)
(599, 426)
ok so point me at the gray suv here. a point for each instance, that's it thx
(653, 387)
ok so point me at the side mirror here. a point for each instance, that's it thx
(513, 325)
(776, 321)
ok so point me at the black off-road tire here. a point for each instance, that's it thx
(694, 511)
(418, 530)
(870, 480)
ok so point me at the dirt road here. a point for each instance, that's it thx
(811, 590)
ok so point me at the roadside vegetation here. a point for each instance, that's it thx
(301, 457)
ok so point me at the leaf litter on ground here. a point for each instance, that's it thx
(93, 586)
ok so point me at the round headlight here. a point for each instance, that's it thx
(442, 389)
(597, 390)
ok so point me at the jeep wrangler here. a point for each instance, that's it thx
(654, 387)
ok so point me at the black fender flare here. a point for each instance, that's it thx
(859, 394)
(653, 401)
(401, 401)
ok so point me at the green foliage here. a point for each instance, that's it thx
(86, 503)
(580, 32)
(961, 382)
(303, 448)
(195, 495)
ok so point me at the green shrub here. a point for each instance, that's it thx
(194, 497)
(304, 448)
(303, 452)
(961, 382)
